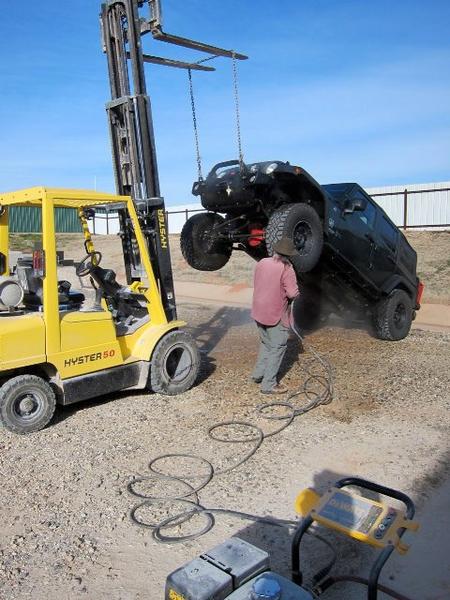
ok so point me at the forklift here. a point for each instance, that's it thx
(54, 347)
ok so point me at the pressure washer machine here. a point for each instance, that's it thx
(237, 570)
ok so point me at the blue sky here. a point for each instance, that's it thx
(352, 90)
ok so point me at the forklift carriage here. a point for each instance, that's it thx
(54, 348)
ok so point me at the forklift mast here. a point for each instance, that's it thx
(133, 146)
(131, 131)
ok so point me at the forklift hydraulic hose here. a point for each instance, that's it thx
(382, 588)
(317, 390)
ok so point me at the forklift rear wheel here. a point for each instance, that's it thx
(27, 404)
(175, 364)
(200, 245)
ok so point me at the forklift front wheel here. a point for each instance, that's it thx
(27, 404)
(175, 364)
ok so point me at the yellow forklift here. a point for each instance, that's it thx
(55, 348)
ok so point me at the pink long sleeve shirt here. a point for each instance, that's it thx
(274, 284)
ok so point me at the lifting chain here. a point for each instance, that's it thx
(238, 116)
(237, 109)
(194, 120)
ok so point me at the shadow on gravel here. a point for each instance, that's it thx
(213, 330)
(315, 554)
(207, 335)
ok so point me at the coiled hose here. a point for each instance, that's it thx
(317, 389)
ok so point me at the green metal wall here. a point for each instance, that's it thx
(27, 219)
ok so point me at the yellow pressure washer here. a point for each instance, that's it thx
(237, 570)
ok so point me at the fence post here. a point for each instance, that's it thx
(405, 208)
(107, 220)
(187, 214)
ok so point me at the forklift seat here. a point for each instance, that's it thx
(32, 286)
(67, 301)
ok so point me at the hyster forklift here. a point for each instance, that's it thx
(56, 349)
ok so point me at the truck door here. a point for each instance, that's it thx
(357, 239)
(385, 250)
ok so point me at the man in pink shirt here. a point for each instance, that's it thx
(275, 284)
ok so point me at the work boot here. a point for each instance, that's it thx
(278, 389)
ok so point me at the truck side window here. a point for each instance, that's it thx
(367, 215)
(389, 233)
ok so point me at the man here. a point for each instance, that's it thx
(275, 284)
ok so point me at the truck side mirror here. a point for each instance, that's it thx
(354, 204)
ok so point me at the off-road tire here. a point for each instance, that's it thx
(174, 364)
(27, 404)
(301, 223)
(392, 316)
(198, 246)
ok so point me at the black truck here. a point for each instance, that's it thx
(352, 260)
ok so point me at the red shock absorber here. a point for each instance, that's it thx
(256, 235)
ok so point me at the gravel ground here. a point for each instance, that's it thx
(65, 532)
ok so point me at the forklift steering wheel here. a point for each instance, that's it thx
(91, 260)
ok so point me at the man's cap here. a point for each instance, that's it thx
(285, 247)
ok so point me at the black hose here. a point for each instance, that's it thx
(189, 496)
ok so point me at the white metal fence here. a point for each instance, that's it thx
(413, 206)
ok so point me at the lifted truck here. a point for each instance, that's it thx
(352, 260)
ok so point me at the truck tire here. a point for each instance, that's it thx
(302, 224)
(393, 316)
(175, 364)
(27, 404)
(200, 246)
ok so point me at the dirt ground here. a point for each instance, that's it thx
(64, 503)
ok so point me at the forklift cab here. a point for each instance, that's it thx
(75, 349)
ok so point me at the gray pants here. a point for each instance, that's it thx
(271, 352)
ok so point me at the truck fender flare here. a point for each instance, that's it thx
(397, 282)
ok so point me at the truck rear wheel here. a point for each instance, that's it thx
(300, 223)
(27, 404)
(393, 316)
(200, 245)
(175, 364)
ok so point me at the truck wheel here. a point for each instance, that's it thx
(200, 245)
(175, 364)
(302, 224)
(393, 316)
(27, 404)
